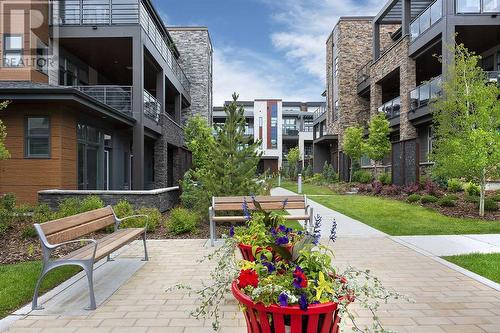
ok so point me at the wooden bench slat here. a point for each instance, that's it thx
(264, 205)
(81, 230)
(260, 199)
(107, 245)
(58, 225)
(242, 218)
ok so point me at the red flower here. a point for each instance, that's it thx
(248, 277)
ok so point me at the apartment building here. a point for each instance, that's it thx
(281, 125)
(395, 70)
(99, 91)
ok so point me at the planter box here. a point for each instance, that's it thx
(319, 318)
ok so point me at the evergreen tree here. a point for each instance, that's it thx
(467, 123)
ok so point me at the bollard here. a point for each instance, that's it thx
(299, 183)
(279, 180)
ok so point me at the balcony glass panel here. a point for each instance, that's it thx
(414, 29)
(424, 94)
(436, 11)
(435, 87)
(414, 99)
(425, 20)
(117, 97)
(152, 107)
(468, 6)
(396, 106)
(491, 6)
(421, 95)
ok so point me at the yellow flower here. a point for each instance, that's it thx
(244, 264)
(323, 286)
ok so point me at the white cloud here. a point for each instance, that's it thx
(255, 75)
(304, 26)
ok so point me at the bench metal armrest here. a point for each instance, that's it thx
(119, 221)
(48, 248)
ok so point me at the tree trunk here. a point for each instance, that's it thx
(483, 192)
(375, 170)
(350, 172)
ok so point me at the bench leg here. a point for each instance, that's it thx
(146, 258)
(212, 232)
(34, 304)
(89, 270)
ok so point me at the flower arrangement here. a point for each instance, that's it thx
(288, 287)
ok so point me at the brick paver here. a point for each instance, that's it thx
(445, 300)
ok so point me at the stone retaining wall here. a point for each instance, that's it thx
(163, 199)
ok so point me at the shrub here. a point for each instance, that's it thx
(328, 174)
(454, 185)
(362, 176)
(154, 217)
(364, 188)
(423, 180)
(446, 201)
(411, 189)
(68, 207)
(90, 203)
(428, 199)
(472, 189)
(496, 197)
(42, 213)
(489, 205)
(5, 220)
(377, 187)
(414, 197)
(8, 201)
(385, 178)
(472, 199)
(452, 196)
(391, 190)
(123, 209)
(431, 188)
(308, 171)
(29, 232)
(182, 221)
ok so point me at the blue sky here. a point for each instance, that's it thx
(266, 48)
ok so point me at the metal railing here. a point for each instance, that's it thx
(421, 95)
(117, 12)
(290, 131)
(152, 107)
(117, 97)
(493, 76)
(319, 111)
(391, 108)
(364, 72)
(156, 37)
(426, 19)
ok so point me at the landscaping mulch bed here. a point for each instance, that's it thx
(14, 247)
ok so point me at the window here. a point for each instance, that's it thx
(41, 57)
(491, 6)
(336, 110)
(13, 51)
(336, 66)
(37, 137)
(430, 139)
(290, 126)
(468, 6)
(308, 124)
(308, 149)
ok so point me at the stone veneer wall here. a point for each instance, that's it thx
(395, 57)
(195, 48)
(163, 199)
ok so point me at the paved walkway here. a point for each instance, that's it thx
(445, 299)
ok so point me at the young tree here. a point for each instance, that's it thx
(378, 144)
(199, 140)
(4, 153)
(293, 158)
(353, 145)
(466, 123)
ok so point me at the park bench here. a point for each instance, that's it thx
(68, 230)
(269, 203)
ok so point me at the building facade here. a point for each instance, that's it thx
(280, 125)
(395, 68)
(98, 93)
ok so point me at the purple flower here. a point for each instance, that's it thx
(281, 228)
(231, 231)
(303, 302)
(317, 229)
(282, 240)
(285, 202)
(246, 211)
(270, 267)
(283, 299)
(333, 231)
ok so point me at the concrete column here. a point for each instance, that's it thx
(138, 105)
(406, 17)
(376, 40)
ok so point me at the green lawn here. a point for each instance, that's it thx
(17, 283)
(487, 265)
(399, 218)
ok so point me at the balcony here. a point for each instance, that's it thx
(494, 77)
(391, 108)
(424, 93)
(117, 97)
(117, 12)
(290, 131)
(319, 112)
(426, 19)
(363, 78)
(152, 107)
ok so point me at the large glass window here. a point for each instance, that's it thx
(308, 124)
(290, 126)
(336, 67)
(336, 110)
(491, 6)
(90, 157)
(274, 126)
(37, 137)
(468, 6)
(13, 51)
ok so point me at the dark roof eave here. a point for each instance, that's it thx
(65, 94)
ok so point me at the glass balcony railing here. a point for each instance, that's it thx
(117, 97)
(152, 107)
(424, 93)
(291, 131)
(426, 19)
(319, 112)
(117, 12)
(391, 108)
(364, 73)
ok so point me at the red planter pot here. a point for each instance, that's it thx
(246, 251)
(319, 318)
